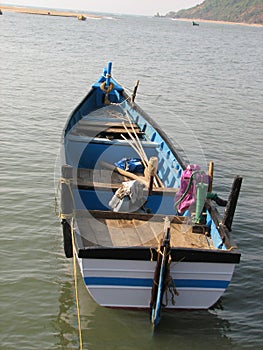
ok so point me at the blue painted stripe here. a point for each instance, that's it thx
(147, 282)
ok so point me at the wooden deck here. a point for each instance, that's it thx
(112, 229)
(117, 229)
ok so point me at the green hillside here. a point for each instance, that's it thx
(244, 11)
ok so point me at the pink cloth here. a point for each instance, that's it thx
(190, 198)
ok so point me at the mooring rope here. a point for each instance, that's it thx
(56, 200)
(76, 287)
(59, 212)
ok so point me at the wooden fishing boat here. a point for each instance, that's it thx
(142, 224)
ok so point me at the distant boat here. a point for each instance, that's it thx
(140, 221)
(159, 16)
(81, 18)
(195, 24)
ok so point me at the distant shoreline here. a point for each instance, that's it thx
(47, 12)
(53, 12)
(199, 20)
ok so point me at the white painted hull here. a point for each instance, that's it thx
(128, 284)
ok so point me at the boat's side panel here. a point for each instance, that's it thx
(170, 164)
(128, 284)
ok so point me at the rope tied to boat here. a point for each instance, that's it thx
(169, 284)
(65, 181)
(231, 248)
(59, 213)
(106, 89)
(76, 284)
(67, 198)
(65, 216)
(159, 250)
(151, 252)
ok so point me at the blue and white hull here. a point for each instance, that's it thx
(128, 283)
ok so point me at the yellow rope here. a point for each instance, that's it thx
(65, 181)
(76, 286)
(151, 252)
(65, 216)
(56, 200)
(231, 248)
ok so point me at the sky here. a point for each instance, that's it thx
(136, 7)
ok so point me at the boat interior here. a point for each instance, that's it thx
(110, 134)
(93, 147)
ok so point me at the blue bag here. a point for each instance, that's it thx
(133, 165)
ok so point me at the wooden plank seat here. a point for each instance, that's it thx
(103, 179)
(106, 129)
(117, 123)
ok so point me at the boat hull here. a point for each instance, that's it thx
(115, 243)
(128, 283)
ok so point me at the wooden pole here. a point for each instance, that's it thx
(232, 202)
(152, 170)
(135, 90)
(211, 175)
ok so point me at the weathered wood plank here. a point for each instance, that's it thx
(117, 233)
(87, 231)
(145, 232)
(157, 229)
(95, 231)
(140, 228)
(99, 123)
(129, 216)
